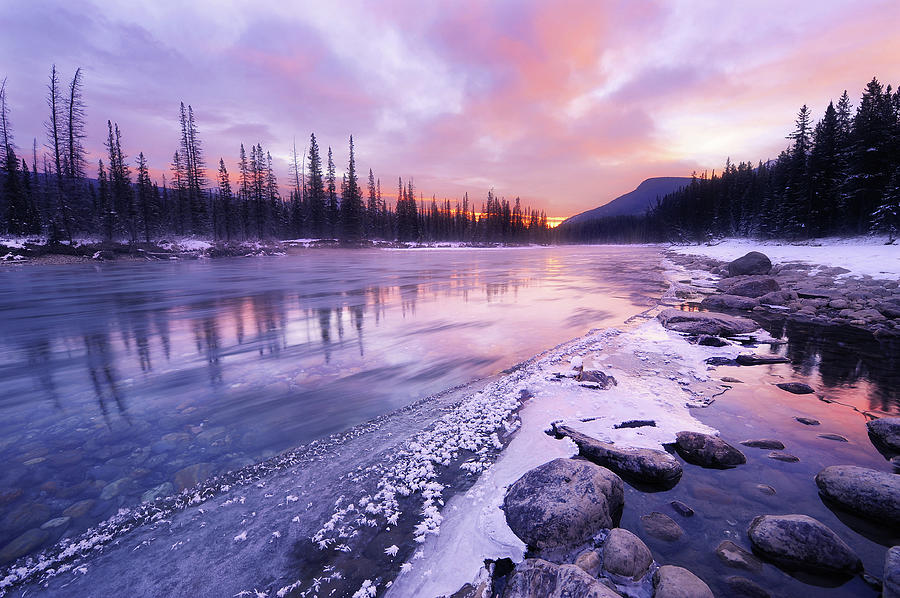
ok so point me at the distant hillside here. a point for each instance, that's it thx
(634, 202)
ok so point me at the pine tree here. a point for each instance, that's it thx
(351, 203)
(333, 208)
(317, 208)
(56, 141)
(145, 198)
(74, 126)
(6, 133)
(226, 199)
(872, 153)
(371, 222)
(886, 217)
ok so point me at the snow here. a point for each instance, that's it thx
(659, 375)
(863, 256)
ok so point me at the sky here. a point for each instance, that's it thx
(566, 104)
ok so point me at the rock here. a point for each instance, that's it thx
(811, 293)
(891, 582)
(751, 263)
(745, 359)
(741, 587)
(885, 433)
(707, 451)
(56, 522)
(626, 555)
(798, 388)
(644, 465)
(192, 475)
(731, 380)
(764, 443)
(635, 423)
(835, 437)
(164, 489)
(786, 457)
(590, 561)
(807, 421)
(799, 541)
(838, 304)
(23, 545)
(113, 489)
(79, 509)
(729, 301)
(681, 508)
(866, 492)
(563, 503)
(750, 286)
(660, 525)
(715, 324)
(711, 341)
(677, 582)
(738, 557)
(765, 489)
(25, 516)
(777, 298)
(895, 461)
(596, 377)
(537, 577)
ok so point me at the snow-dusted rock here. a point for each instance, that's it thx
(641, 464)
(678, 582)
(626, 555)
(563, 503)
(803, 542)
(707, 450)
(885, 433)
(753, 262)
(866, 492)
(536, 577)
(692, 322)
(891, 582)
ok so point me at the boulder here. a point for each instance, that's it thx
(764, 443)
(715, 324)
(659, 525)
(799, 541)
(797, 388)
(862, 491)
(885, 433)
(749, 286)
(728, 301)
(751, 263)
(563, 503)
(707, 451)
(745, 359)
(590, 561)
(677, 582)
(626, 555)
(537, 577)
(738, 557)
(891, 582)
(641, 464)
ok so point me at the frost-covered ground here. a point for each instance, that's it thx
(863, 256)
(659, 376)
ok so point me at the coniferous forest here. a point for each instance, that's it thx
(838, 176)
(45, 190)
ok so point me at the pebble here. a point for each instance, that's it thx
(807, 421)
(682, 509)
(786, 457)
(836, 437)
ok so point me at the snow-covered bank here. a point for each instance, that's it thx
(863, 256)
(659, 376)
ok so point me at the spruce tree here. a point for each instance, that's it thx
(351, 203)
(333, 208)
(317, 207)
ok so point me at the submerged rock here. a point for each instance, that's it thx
(891, 583)
(786, 457)
(563, 503)
(741, 587)
(807, 421)
(681, 508)
(645, 465)
(738, 557)
(537, 577)
(678, 582)
(798, 388)
(751, 263)
(745, 359)
(707, 450)
(626, 555)
(799, 541)
(835, 437)
(192, 475)
(23, 544)
(692, 322)
(659, 525)
(764, 443)
(866, 492)
(885, 433)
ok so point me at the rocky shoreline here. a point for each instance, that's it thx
(568, 511)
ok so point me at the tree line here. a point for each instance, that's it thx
(839, 176)
(53, 195)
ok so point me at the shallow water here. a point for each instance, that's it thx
(852, 371)
(127, 380)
